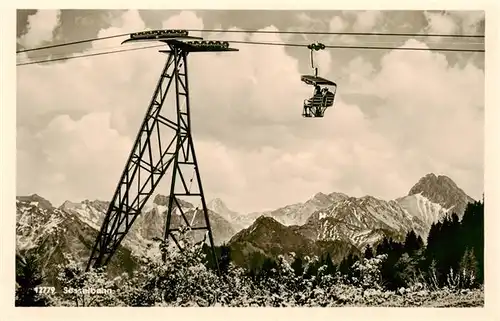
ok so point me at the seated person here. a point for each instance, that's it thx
(317, 90)
(307, 112)
(318, 112)
(326, 94)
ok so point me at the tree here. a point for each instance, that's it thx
(255, 264)
(412, 243)
(383, 247)
(390, 270)
(269, 267)
(297, 266)
(432, 249)
(473, 234)
(405, 271)
(368, 252)
(346, 265)
(28, 279)
(455, 246)
(72, 276)
(312, 267)
(468, 268)
(328, 262)
(223, 254)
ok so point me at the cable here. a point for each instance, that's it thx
(267, 32)
(340, 33)
(408, 49)
(88, 55)
(72, 43)
(66, 54)
(364, 43)
(268, 44)
(358, 47)
(133, 45)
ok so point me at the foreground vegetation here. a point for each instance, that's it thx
(447, 272)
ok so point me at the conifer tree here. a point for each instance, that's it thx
(412, 243)
(28, 278)
(346, 264)
(297, 266)
(368, 252)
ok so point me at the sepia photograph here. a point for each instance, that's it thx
(250, 158)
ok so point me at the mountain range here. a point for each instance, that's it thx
(335, 223)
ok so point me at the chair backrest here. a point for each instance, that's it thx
(329, 99)
(317, 100)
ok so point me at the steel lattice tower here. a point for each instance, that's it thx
(151, 157)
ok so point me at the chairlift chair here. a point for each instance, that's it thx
(324, 90)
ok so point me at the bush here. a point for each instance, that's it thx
(185, 279)
(368, 272)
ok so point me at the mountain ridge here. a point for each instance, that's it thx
(52, 233)
(334, 222)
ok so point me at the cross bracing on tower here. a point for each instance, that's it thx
(163, 144)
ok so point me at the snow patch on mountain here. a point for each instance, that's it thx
(442, 190)
(360, 221)
(91, 213)
(34, 221)
(420, 206)
(161, 208)
(217, 205)
(324, 217)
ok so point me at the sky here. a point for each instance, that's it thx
(398, 115)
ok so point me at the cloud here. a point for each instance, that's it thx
(358, 70)
(440, 23)
(187, 20)
(40, 28)
(75, 159)
(433, 103)
(323, 60)
(254, 148)
(304, 18)
(366, 20)
(470, 21)
(336, 24)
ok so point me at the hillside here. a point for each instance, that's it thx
(269, 238)
(333, 223)
(357, 222)
(50, 233)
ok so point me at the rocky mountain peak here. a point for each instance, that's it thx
(430, 183)
(266, 230)
(365, 198)
(336, 196)
(36, 199)
(97, 204)
(162, 200)
(68, 205)
(328, 198)
(217, 205)
(442, 190)
(320, 195)
(265, 220)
